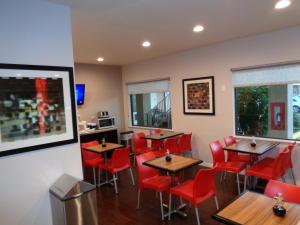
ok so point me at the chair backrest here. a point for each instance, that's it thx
(290, 193)
(185, 143)
(88, 155)
(217, 152)
(171, 144)
(145, 172)
(229, 140)
(156, 144)
(138, 142)
(279, 166)
(291, 148)
(204, 183)
(120, 158)
(155, 131)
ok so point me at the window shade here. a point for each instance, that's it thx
(148, 87)
(268, 75)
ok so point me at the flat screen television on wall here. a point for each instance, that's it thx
(80, 89)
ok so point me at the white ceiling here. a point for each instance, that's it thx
(115, 29)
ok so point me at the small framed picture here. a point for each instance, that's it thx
(198, 96)
(37, 108)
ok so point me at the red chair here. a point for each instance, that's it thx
(91, 159)
(171, 144)
(184, 144)
(120, 161)
(149, 178)
(234, 156)
(290, 193)
(220, 164)
(288, 165)
(197, 190)
(139, 144)
(267, 172)
(156, 144)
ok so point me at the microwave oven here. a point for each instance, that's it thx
(107, 122)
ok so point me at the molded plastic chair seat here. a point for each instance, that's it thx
(290, 193)
(233, 166)
(158, 183)
(262, 171)
(110, 168)
(93, 162)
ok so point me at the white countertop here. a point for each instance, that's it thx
(92, 131)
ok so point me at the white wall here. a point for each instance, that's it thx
(103, 91)
(34, 32)
(215, 60)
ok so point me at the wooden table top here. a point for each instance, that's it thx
(100, 149)
(178, 163)
(243, 146)
(256, 209)
(162, 135)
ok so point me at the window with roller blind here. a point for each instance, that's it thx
(150, 104)
(267, 102)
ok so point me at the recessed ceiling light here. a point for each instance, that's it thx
(146, 44)
(282, 4)
(100, 59)
(18, 74)
(198, 28)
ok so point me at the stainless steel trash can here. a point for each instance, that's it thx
(125, 138)
(73, 202)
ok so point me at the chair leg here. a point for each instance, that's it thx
(292, 172)
(94, 172)
(245, 183)
(238, 182)
(161, 206)
(216, 201)
(170, 205)
(221, 178)
(283, 179)
(138, 199)
(197, 215)
(115, 183)
(132, 178)
(99, 176)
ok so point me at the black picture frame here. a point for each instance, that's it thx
(37, 108)
(199, 96)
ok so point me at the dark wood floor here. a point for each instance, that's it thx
(121, 209)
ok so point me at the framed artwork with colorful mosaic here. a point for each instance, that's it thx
(198, 96)
(37, 108)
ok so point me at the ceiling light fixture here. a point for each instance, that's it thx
(282, 4)
(100, 59)
(146, 44)
(198, 28)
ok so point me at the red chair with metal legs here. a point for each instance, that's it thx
(184, 144)
(267, 172)
(156, 144)
(288, 164)
(149, 178)
(197, 190)
(120, 161)
(91, 159)
(220, 164)
(234, 156)
(290, 193)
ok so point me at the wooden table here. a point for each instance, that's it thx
(100, 149)
(162, 135)
(256, 209)
(177, 164)
(243, 146)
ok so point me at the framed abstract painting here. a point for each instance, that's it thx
(37, 108)
(198, 96)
